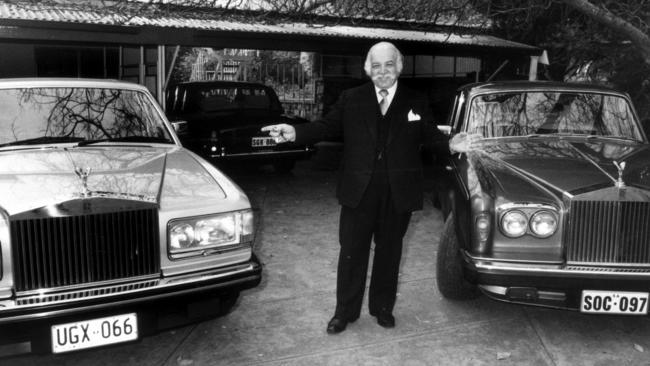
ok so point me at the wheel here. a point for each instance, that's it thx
(226, 302)
(284, 166)
(449, 268)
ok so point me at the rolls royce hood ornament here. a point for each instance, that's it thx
(620, 166)
(83, 174)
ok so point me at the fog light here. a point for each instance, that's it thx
(522, 293)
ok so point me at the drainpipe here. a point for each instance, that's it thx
(534, 60)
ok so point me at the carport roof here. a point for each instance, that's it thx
(57, 13)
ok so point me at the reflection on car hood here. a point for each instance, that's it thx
(36, 178)
(570, 166)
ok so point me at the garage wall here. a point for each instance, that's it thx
(17, 60)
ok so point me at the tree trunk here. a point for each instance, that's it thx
(637, 36)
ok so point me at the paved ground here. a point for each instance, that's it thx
(282, 322)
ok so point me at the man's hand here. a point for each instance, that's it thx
(463, 142)
(282, 132)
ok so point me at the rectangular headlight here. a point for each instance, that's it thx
(197, 235)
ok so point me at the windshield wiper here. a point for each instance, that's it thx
(43, 140)
(624, 138)
(148, 139)
(561, 134)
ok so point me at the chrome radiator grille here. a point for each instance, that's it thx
(616, 232)
(72, 250)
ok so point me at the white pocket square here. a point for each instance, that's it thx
(413, 116)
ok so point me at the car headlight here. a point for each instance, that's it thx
(514, 223)
(543, 223)
(195, 235)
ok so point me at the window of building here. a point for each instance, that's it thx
(140, 65)
(422, 66)
(338, 66)
(79, 62)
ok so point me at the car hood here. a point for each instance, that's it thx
(34, 178)
(563, 166)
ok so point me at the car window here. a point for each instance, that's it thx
(255, 98)
(77, 114)
(215, 99)
(525, 113)
(224, 98)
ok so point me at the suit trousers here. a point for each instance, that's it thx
(374, 217)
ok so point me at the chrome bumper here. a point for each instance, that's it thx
(224, 154)
(68, 302)
(496, 267)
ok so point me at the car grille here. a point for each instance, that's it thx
(614, 232)
(74, 250)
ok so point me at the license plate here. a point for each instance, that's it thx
(263, 141)
(94, 333)
(614, 302)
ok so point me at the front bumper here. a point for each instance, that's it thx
(267, 155)
(550, 285)
(170, 302)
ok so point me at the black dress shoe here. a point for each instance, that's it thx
(386, 320)
(336, 325)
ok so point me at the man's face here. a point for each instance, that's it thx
(383, 68)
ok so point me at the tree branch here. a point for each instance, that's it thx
(614, 22)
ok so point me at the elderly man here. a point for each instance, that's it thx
(383, 125)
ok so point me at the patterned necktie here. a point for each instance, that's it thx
(383, 104)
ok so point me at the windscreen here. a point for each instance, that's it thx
(526, 113)
(52, 114)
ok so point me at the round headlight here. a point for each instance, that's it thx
(514, 223)
(543, 223)
(181, 236)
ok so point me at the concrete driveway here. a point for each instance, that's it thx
(282, 322)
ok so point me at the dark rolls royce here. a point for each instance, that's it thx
(552, 206)
(222, 120)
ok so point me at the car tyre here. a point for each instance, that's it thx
(449, 267)
(284, 166)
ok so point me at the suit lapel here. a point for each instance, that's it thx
(369, 108)
(397, 107)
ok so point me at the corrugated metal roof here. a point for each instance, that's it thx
(92, 15)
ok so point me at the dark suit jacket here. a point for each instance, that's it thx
(354, 118)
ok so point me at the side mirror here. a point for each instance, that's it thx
(445, 129)
(180, 127)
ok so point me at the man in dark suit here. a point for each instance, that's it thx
(383, 125)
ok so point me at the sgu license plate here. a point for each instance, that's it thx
(263, 141)
(614, 302)
(94, 333)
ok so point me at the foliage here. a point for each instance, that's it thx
(582, 47)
